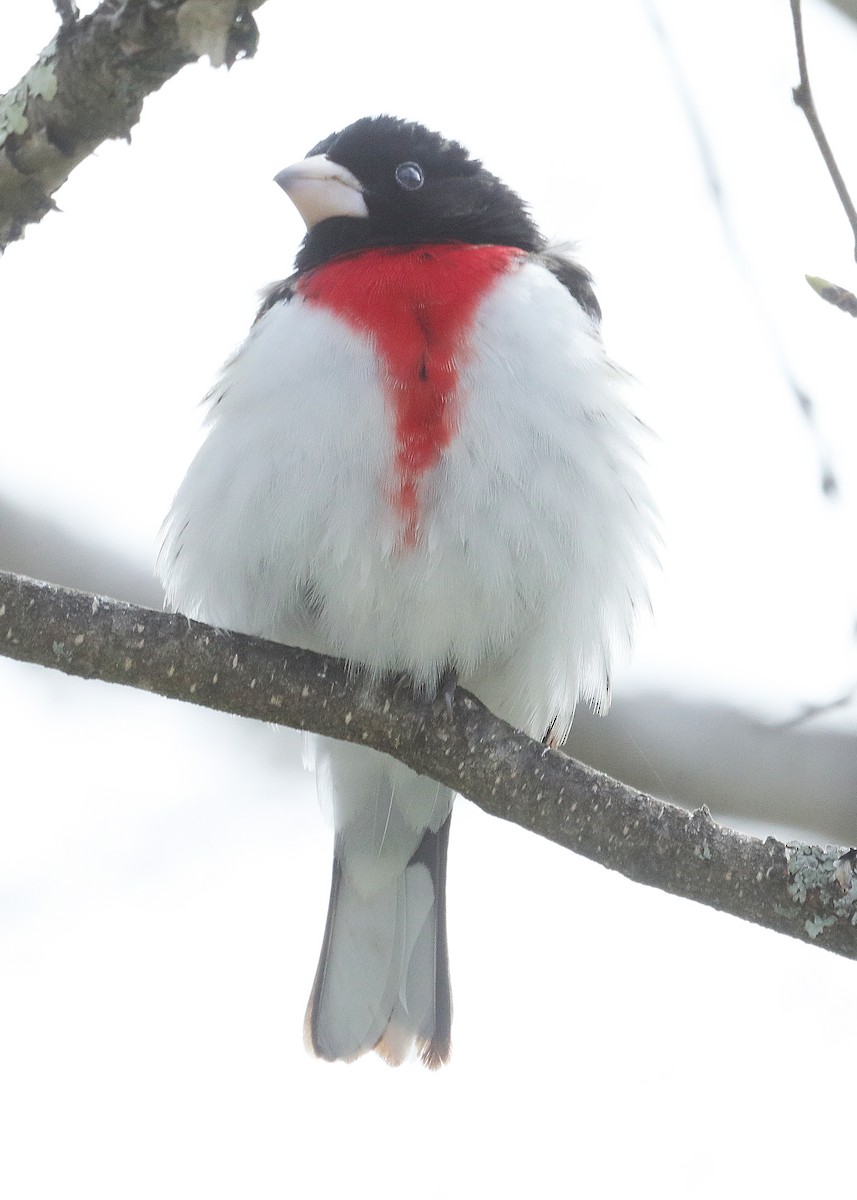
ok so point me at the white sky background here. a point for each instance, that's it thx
(164, 873)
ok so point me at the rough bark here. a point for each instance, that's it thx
(807, 892)
(90, 82)
(742, 763)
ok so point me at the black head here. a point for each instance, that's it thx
(387, 182)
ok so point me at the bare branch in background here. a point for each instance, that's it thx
(806, 892)
(708, 158)
(810, 711)
(89, 84)
(804, 100)
(848, 8)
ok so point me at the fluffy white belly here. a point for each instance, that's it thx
(534, 525)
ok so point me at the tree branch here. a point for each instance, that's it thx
(67, 11)
(684, 89)
(806, 892)
(839, 297)
(848, 8)
(804, 100)
(89, 84)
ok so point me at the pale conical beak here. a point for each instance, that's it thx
(319, 189)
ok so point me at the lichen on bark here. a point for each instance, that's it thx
(89, 85)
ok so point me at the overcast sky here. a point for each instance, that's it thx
(163, 872)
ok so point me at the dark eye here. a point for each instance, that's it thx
(409, 175)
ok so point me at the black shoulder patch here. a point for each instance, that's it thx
(277, 293)
(574, 278)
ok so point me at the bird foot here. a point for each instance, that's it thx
(444, 695)
(446, 690)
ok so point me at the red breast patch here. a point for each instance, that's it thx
(417, 304)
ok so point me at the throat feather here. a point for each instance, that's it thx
(417, 305)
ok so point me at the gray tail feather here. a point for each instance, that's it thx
(383, 975)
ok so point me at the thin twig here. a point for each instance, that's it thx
(719, 196)
(803, 98)
(838, 296)
(792, 889)
(810, 711)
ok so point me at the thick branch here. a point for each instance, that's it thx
(803, 891)
(89, 84)
(803, 98)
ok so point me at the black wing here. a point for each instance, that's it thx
(574, 278)
(277, 292)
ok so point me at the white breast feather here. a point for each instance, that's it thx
(535, 525)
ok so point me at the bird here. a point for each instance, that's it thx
(421, 460)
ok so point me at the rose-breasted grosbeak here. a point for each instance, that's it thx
(420, 460)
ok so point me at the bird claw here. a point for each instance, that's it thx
(446, 690)
(550, 739)
(444, 695)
